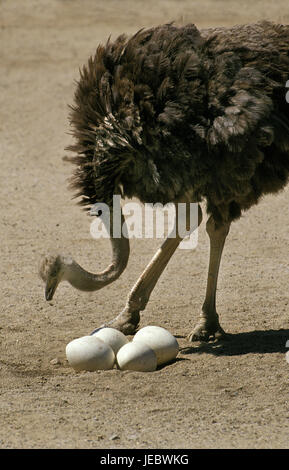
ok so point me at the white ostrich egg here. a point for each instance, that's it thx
(89, 353)
(161, 341)
(115, 338)
(137, 356)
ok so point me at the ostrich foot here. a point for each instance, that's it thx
(207, 329)
(126, 322)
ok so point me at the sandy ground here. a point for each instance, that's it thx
(231, 395)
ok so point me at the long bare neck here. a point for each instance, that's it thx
(87, 281)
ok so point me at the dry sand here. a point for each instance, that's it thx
(231, 395)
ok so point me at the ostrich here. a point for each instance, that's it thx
(174, 114)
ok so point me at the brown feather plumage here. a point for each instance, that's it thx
(173, 109)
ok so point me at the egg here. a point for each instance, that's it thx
(136, 356)
(89, 353)
(163, 343)
(114, 338)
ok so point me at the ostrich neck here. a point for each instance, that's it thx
(84, 280)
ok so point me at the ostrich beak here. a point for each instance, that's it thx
(50, 288)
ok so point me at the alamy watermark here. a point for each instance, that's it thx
(147, 221)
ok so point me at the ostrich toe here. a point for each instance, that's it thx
(207, 330)
(126, 322)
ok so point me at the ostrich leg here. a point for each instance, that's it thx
(208, 324)
(128, 319)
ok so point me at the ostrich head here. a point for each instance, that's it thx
(56, 268)
(51, 271)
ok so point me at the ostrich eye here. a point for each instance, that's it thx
(99, 212)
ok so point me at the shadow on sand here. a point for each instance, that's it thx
(262, 342)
